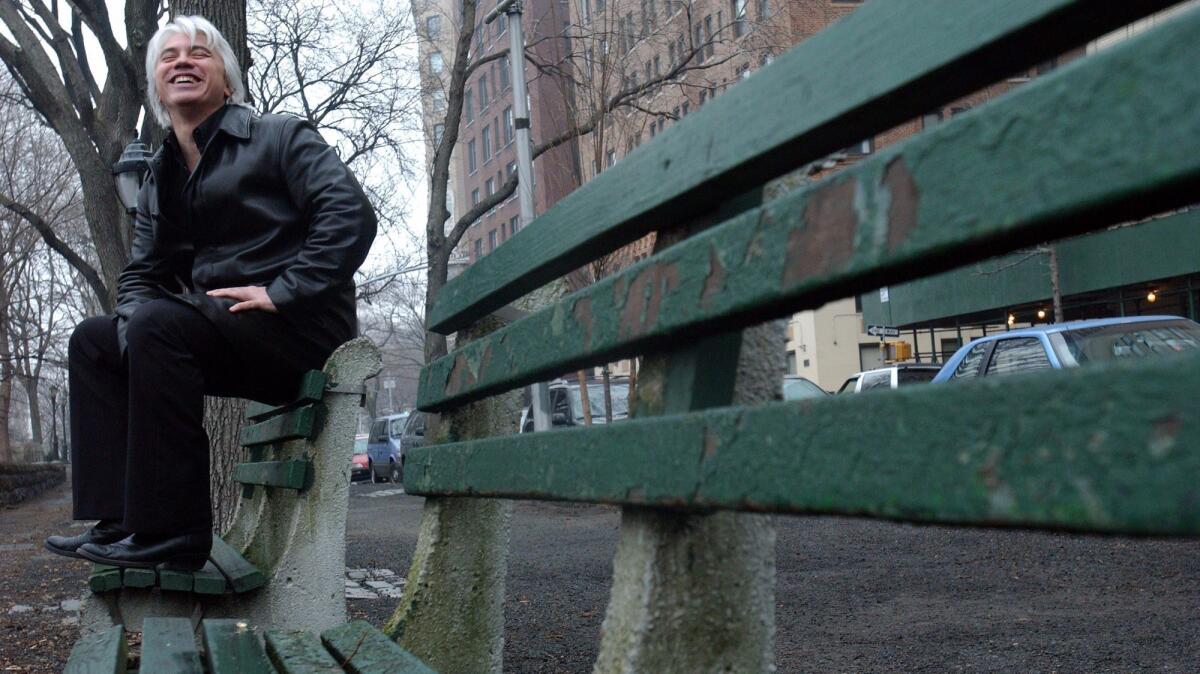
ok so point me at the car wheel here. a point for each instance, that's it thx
(374, 476)
(397, 473)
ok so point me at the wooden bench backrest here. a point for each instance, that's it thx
(1106, 139)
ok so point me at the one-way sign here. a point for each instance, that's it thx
(882, 331)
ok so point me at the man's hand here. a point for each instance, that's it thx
(248, 297)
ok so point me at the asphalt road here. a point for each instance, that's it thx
(852, 595)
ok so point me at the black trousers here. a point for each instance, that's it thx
(139, 449)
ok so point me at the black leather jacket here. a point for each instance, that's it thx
(269, 204)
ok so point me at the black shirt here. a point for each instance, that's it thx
(178, 189)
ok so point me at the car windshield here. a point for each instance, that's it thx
(799, 389)
(397, 426)
(1128, 340)
(620, 400)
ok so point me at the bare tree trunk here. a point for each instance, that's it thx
(607, 396)
(30, 384)
(633, 384)
(6, 380)
(223, 422)
(585, 402)
(1055, 288)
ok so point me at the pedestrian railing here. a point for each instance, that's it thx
(1108, 138)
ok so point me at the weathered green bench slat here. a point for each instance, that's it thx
(139, 577)
(104, 578)
(99, 653)
(815, 99)
(362, 649)
(301, 422)
(243, 576)
(292, 474)
(169, 647)
(299, 653)
(208, 580)
(233, 647)
(945, 198)
(176, 581)
(1114, 449)
(312, 389)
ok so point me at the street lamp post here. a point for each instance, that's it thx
(129, 172)
(539, 394)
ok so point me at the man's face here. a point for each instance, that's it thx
(190, 78)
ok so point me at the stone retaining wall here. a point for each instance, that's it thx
(19, 482)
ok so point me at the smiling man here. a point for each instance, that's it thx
(246, 237)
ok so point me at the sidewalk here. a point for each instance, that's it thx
(39, 591)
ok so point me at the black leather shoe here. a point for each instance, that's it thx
(105, 532)
(185, 552)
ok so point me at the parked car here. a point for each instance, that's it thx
(796, 387)
(892, 376)
(566, 404)
(1063, 345)
(390, 439)
(383, 447)
(359, 463)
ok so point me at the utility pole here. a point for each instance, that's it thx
(539, 394)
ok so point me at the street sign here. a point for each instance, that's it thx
(882, 331)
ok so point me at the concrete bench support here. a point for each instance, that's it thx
(452, 613)
(696, 593)
(297, 539)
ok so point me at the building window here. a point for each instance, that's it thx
(439, 99)
(479, 33)
(599, 5)
(469, 105)
(703, 96)
(764, 9)
(491, 240)
(439, 130)
(708, 36)
(433, 27)
(475, 197)
(508, 125)
(653, 130)
(585, 13)
(671, 54)
(657, 65)
(661, 124)
(501, 24)
(478, 248)
(744, 71)
(483, 92)
(610, 158)
(680, 49)
(505, 69)
(472, 160)
(739, 17)
(511, 169)
(685, 108)
(491, 186)
(487, 143)
(513, 225)
(699, 42)
(649, 73)
(436, 64)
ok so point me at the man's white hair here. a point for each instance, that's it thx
(191, 26)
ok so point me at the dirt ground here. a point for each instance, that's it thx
(39, 591)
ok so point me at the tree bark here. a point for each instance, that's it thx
(30, 384)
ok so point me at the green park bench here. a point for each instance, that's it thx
(1104, 140)
(232, 646)
(282, 560)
